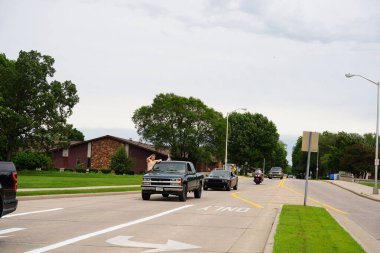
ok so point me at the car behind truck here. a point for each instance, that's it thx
(8, 188)
(172, 178)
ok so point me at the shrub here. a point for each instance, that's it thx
(120, 161)
(27, 160)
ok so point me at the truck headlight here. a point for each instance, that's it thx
(146, 181)
(176, 181)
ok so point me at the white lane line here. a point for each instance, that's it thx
(10, 230)
(42, 211)
(100, 232)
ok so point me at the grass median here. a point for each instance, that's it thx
(52, 179)
(69, 179)
(311, 229)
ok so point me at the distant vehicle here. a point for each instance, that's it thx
(276, 172)
(221, 179)
(8, 188)
(291, 176)
(172, 177)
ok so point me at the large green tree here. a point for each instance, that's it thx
(33, 108)
(186, 126)
(252, 138)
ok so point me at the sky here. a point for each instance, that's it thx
(285, 59)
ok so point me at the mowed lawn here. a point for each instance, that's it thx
(311, 229)
(50, 179)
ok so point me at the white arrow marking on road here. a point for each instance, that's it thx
(10, 230)
(169, 246)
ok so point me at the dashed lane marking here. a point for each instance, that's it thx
(41, 211)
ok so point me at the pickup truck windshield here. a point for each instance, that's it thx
(170, 167)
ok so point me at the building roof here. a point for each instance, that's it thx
(141, 145)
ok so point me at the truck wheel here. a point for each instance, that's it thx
(145, 196)
(198, 192)
(183, 196)
(235, 187)
(165, 195)
(205, 187)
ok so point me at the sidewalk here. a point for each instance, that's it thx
(74, 188)
(358, 189)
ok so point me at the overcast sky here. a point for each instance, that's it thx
(285, 59)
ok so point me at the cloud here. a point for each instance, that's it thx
(325, 21)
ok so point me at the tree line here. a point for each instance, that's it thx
(193, 131)
(340, 151)
(34, 109)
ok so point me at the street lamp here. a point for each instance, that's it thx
(375, 189)
(228, 113)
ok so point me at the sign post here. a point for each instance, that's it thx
(309, 144)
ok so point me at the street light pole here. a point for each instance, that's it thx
(225, 155)
(375, 189)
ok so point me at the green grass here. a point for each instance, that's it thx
(49, 179)
(371, 184)
(311, 229)
(55, 192)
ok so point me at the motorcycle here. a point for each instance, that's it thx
(258, 177)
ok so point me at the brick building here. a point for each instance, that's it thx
(97, 153)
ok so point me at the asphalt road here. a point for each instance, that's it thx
(236, 221)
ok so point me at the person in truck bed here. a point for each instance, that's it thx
(150, 162)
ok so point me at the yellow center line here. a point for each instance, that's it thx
(282, 184)
(246, 200)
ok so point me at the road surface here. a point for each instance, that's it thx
(221, 221)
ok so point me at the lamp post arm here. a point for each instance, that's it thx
(369, 80)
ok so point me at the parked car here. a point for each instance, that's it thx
(221, 179)
(276, 172)
(8, 188)
(172, 177)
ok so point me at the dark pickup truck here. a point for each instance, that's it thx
(172, 177)
(8, 188)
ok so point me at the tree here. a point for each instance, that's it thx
(120, 161)
(74, 134)
(337, 151)
(252, 138)
(191, 130)
(358, 159)
(33, 110)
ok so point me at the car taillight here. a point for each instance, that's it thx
(14, 176)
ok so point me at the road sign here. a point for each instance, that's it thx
(376, 162)
(309, 144)
(314, 141)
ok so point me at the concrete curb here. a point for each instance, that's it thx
(78, 195)
(270, 241)
(357, 193)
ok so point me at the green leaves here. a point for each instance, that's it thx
(253, 137)
(349, 152)
(33, 111)
(185, 125)
(120, 162)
